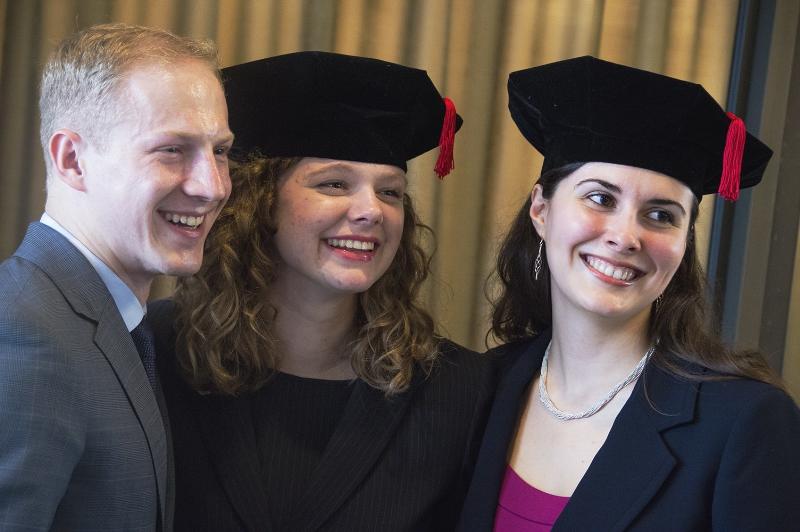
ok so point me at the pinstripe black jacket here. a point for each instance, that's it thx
(399, 464)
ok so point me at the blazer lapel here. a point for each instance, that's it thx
(121, 353)
(226, 424)
(634, 462)
(169, 496)
(522, 362)
(366, 427)
(89, 297)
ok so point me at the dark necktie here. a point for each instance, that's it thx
(145, 344)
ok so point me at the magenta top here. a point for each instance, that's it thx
(523, 508)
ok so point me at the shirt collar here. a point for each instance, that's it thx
(127, 303)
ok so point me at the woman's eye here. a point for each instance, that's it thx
(332, 185)
(661, 216)
(602, 199)
(392, 193)
(170, 149)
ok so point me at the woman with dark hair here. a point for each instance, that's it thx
(617, 408)
(307, 390)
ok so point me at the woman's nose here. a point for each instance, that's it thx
(366, 208)
(622, 233)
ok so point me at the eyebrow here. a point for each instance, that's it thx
(224, 138)
(605, 184)
(329, 167)
(667, 203)
(347, 167)
(663, 202)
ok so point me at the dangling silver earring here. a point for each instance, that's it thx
(659, 299)
(537, 264)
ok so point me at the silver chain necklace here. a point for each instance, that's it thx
(544, 397)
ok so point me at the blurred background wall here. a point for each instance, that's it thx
(468, 48)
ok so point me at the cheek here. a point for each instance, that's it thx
(292, 216)
(393, 222)
(148, 189)
(574, 230)
(669, 252)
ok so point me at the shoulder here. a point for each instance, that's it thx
(19, 283)
(457, 372)
(452, 352)
(507, 356)
(757, 427)
(33, 311)
(457, 361)
(747, 401)
(512, 349)
(718, 410)
(43, 342)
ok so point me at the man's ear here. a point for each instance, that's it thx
(65, 149)
(539, 210)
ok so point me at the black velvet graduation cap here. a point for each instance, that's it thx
(586, 109)
(334, 106)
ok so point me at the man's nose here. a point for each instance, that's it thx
(209, 178)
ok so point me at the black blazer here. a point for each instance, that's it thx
(681, 456)
(399, 464)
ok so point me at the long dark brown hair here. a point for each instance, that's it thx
(226, 340)
(681, 322)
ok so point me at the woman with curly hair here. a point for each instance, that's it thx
(617, 408)
(307, 390)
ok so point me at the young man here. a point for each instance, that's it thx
(135, 137)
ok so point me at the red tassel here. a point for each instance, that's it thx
(730, 179)
(446, 140)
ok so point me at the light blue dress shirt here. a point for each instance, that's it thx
(127, 303)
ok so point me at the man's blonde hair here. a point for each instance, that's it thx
(80, 79)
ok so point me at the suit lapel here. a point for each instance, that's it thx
(169, 505)
(121, 353)
(89, 297)
(522, 362)
(367, 425)
(634, 462)
(67, 268)
(226, 424)
(617, 486)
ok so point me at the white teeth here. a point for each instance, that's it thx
(619, 273)
(190, 221)
(359, 245)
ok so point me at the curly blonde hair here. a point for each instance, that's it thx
(227, 342)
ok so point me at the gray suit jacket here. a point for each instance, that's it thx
(82, 440)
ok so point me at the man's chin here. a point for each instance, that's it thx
(182, 268)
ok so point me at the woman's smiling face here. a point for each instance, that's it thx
(614, 237)
(339, 224)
